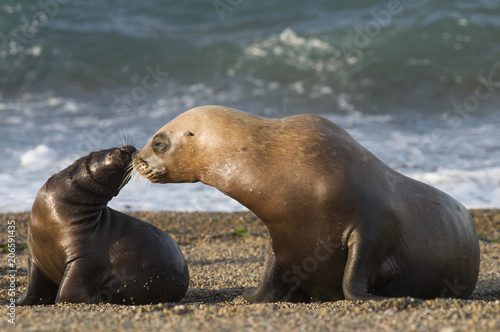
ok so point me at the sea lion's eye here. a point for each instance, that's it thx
(159, 146)
(160, 142)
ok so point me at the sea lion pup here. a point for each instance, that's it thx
(342, 224)
(80, 250)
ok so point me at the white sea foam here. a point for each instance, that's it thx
(296, 51)
(38, 158)
(462, 161)
(475, 188)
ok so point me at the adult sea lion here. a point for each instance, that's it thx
(82, 251)
(342, 224)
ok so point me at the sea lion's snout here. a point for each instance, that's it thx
(136, 159)
(120, 157)
(129, 149)
(140, 165)
(126, 153)
(144, 168)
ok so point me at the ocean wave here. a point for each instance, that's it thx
(421, 58)
(38, 158)
(419, 87)
(479, 188)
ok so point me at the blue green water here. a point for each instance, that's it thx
(416, 82)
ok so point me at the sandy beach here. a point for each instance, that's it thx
(225, 253)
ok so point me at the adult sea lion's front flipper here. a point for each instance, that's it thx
(273, 286)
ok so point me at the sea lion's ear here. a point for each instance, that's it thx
(188, 133)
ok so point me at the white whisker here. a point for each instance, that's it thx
(139, 181)
(125, 180)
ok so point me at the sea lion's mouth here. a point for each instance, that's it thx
(143, 169)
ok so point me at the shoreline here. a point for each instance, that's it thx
(225, 254)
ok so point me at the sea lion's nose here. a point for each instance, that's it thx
(128, 149)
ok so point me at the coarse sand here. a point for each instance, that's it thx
(225, 253)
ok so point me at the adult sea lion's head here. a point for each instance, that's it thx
(180, 150)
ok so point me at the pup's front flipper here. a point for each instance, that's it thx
(40, 289)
